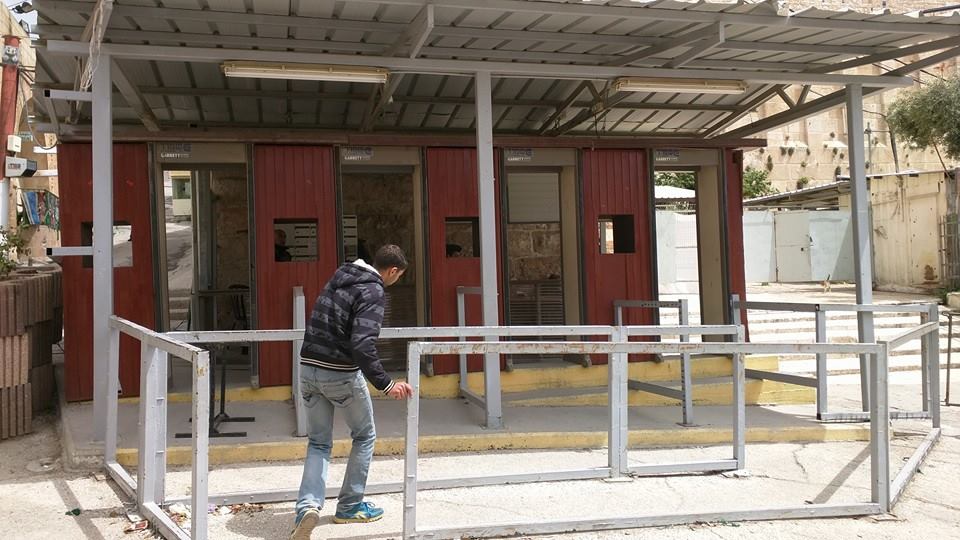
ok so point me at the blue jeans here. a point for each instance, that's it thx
(325, 391)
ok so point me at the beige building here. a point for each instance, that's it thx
(814, 151)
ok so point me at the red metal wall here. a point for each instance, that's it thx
(736, 272)
(452, 192)
(291, 182)
(133, 286)
(615, 182)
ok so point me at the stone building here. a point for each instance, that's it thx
(813, 151)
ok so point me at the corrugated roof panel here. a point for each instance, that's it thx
(555, 23)
(358, 10)
(245, 109)
(215, 109)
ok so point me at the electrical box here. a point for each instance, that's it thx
(15, 167)
(14, 143)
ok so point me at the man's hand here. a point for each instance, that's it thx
(400, 390)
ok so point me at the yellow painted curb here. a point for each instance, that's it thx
(295, 450)
(758, 392)
(524, 379)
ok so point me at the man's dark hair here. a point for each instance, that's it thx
(389, 256)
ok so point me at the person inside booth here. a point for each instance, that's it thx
(281, 253)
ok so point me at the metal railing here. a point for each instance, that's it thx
(685, 394)
(149, 488)
(929, 353)
(884, 493)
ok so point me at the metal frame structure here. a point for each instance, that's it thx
(929, 352)
(148, 488)
(685, 394)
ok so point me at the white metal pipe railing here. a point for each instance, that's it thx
(685, 395)
(884, 493)
(929, 351)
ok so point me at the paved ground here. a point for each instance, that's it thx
(36, 493)
(33, 504)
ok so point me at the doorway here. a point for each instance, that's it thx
(206, 254)
(377, 208)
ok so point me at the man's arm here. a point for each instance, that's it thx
(367, 319)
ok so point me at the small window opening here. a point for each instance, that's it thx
(462, 236)
(616, 234)
(294, 240)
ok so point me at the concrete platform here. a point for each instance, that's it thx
(453, 426)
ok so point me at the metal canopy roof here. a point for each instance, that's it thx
(552, 62)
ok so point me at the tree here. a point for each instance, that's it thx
(929, 116)
(756, 183)
(685, 180)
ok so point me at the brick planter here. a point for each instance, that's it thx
(31, 321)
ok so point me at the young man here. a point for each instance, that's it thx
(339, 351)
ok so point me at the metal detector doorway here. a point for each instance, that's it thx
(206, 216)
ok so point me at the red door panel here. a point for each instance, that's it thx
(133, 286)
(615, 184)
(452, 193)
(290, 183)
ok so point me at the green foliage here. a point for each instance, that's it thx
(11, 243)
(756, 183)
(929, 116)
(685, 180)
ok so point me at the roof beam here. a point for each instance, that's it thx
(683, 39)
(563, 106)
(131, 94)
(834, 99)
(699, 48)
(743, 110)
(890, 55)
(683, 15)
(410, 42)
(601, 105)
(307, 45)
(439, 100)
(803, 94)
(467, 68)
(782, 92)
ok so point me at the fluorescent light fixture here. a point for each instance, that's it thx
(305, 72)
(679, 86)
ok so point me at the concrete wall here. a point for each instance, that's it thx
(759, 247)
(813, 246)
(906, 228)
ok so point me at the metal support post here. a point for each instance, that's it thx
(102, 136)
(112, 397)
(299, 323)
(160, 432)
(686, 376)
(739, 404)
(618, 401)
(880, 433)
(201, 444)
(411, 443)
(925, 365)
(863, 252)
(462, 321)
(933, 361)
(488, 243)
(820, 318)
(151, 446)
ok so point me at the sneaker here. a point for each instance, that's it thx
(310, 519)
(361, 513)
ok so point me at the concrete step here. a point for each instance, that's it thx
(845, 365)
(709, 391)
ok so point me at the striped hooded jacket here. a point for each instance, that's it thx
(345, 324)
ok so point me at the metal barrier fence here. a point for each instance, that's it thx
(929, 353)
(884, 493)
(685, 394)
(148, 489)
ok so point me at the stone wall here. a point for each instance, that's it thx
(533, 251)
(383, 204)
(814, 151)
